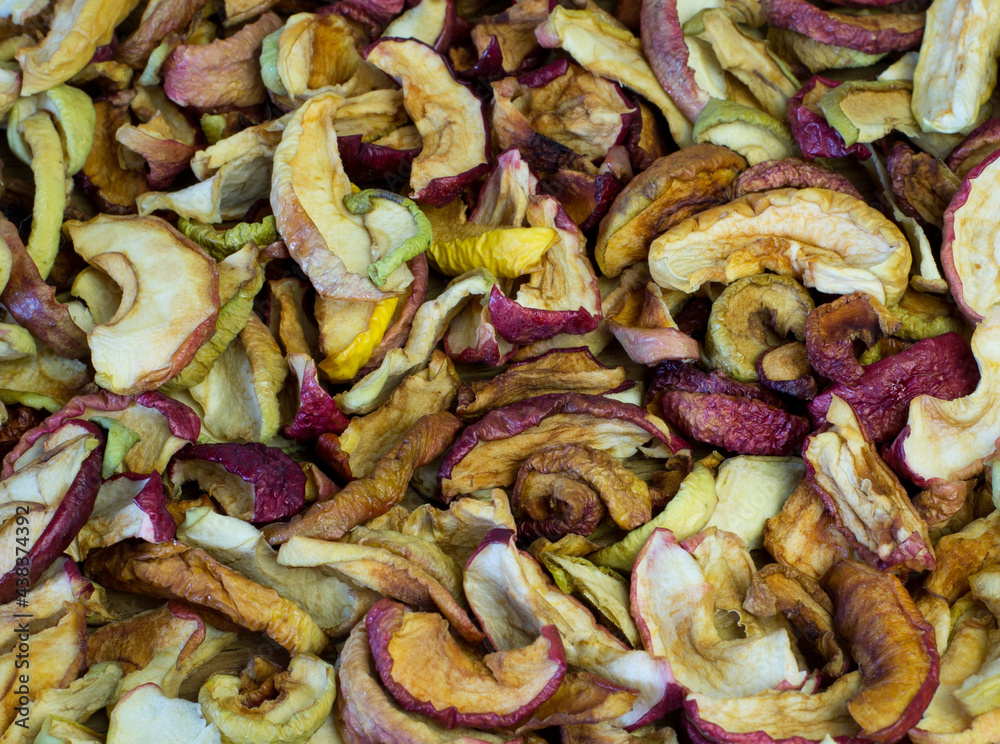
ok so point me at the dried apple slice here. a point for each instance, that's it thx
(448, 116)
(77, 30)
(514, 599)
(873, 33)
(831, 241)
(942, 367)
(428, 672)
(489, 452)
(893, 645)
(979, 145)
(604, 47)
(789, 172)
(127, 506)
(294, 702)
(813, 134)
(666, 47)
(329, 243)
(367, 712)
(673, 606)
(44, 504)
(159, 324)
(944, 439)
(146, 708)
(671, 189)
(972, 269)
(177, 571)
(956, 70)
(755, 135)
(871, 507)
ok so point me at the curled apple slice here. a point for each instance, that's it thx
(893, 645)
(448, 116)
(170, 299)
(673, 605)
(428, 672)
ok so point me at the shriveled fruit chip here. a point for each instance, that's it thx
(871, 507)
(159, 325)
(448, 116)
(127, 506)
(429, 673)
(873, 33)
(513, 599)
(832, 241)
(672, 188)
(832, 330)
(956, 70)
(755, 135)
(892, 644)
(297, 702)
(964, 554)
(176, 570)
(673, 606)
(147, 708)
(507, 252)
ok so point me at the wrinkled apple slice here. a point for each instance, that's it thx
(489, 452)
(956, 70)
(59, 587)
(942, 367)
(873, 33)
(752, 133)
(964, 554)
(666, 47)
(294, 702)
(971, 267)
(44, 504)
(893, 645)
(673, 606)
(429, 21)
(871, 507)
(974, 149)
(175, 720)
(308, 186)
(77, 29)
(944, 439)
(789, 172)
(428, 672)
(604, 47)
(169, 304)
(813, 134)
(831, 241)
(177, 571)
(671, 189)
(127, 506)
(834, 329)
(251, 481)
(76, 702)
(448, 116)
(336, 606)
(368, 713)
(513, 599)
(751, 490)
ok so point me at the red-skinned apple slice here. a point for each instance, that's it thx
(49, 599)
(970, 264)
(667, 50)
(33, 302)
(943, 440)
(428, 672)
(52, 497)
(127, 505)
(514, 599)
(170, 299)
(448, 116)
(252, 481)
(894, 647)
(813, 134)
(873, 33)
(673, 606)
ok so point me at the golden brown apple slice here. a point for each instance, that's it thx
(170, 299)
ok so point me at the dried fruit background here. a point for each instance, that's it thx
(468, 371)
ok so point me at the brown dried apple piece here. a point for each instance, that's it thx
(382, 571)
(833, 329)
(892, 644)
(224, 72)
(830, 241)
(367, 712)
(671, 189)
(804, 534)
(447, 115)
(789, 172)
(102, 177)
(644, 325)
(428, 672)
(379, 491)
(963, 554)
(164, 646)
(778, 588)
(923, 185)
(177, 571)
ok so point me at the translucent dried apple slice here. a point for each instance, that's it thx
(448, 116)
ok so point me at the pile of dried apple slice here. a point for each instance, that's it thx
(513, 372)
